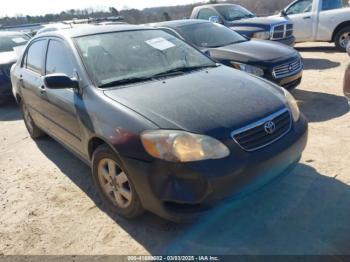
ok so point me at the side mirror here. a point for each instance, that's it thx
(60, 81)
(283, 13)
(216, 19)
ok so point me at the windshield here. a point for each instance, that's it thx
(8, 43)
(210, 35)
(234, 12)
(121, 56)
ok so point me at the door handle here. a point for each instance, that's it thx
(307, 17)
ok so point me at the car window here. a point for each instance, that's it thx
(58, 59)
(210, 35)
(333, 4)
(35, 56)
(8, 43)
(234, 12)
(300, 7)
(119, 56)
(206, 13)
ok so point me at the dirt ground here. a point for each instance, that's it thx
(48, 204)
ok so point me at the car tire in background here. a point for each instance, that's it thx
(342, 38)
(114, 185)
(34, 131)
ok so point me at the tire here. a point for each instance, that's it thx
(34, 131)
(342, 38)
(114, 184)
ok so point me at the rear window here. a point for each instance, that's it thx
(8, 43)
(333, 4)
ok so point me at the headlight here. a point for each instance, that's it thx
(262, 35)
(248, 68)
(180, 146)
(293, 106)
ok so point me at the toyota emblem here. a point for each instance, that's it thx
(270, 127)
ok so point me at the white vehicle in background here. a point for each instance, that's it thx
(320, 20)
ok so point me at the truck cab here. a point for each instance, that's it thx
(246, 23)
(320, 20)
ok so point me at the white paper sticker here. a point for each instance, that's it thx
(19, 40)
(160, 43)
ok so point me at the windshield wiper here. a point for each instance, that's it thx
(171, 72)
(181, 70)
(126, 81)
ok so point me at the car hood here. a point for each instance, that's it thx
(259, 21)
(253, 51)
(212, 102)
(7, 58)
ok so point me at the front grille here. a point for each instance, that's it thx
(5, 70)
(255, 136)
(287, 69)
(281, 31)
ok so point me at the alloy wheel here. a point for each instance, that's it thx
(344, 39)
(114, 183)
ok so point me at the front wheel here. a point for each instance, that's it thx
(114, 185)
(342, 39)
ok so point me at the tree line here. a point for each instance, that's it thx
(148, 15)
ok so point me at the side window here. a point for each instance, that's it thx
(302, 6)
(35, 56)
(332, 4)
(206, 13)
(58, 59)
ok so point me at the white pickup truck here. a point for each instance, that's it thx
(320, 20)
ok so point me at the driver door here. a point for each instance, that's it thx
(300, 13)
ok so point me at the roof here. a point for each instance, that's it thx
(93, 30)
(222, 4)
(179, 23)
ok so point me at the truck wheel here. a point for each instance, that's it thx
(114, 185)
(342, 39)
(34, 131)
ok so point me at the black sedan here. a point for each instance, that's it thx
(9, 42)
(163, 127)
(273, 61)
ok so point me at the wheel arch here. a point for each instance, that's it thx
(338, 28)
(95, 142)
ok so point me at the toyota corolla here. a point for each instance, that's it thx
(163, 127)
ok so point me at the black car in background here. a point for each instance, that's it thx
(9, 41)
(274, 61)
(163, 127)
(246, 23)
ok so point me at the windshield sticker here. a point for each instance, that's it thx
(160, 43)
(19, 40)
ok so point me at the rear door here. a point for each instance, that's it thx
(59, 104)
(31, 80)
(329, 18)
(302, 15)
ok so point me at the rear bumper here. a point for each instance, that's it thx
(181, 192)
(290, 41)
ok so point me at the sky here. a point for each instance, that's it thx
(40, 7)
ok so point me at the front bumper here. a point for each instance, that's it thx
(289, 82)
(290, 41)
(180, 192)
(5, 89)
